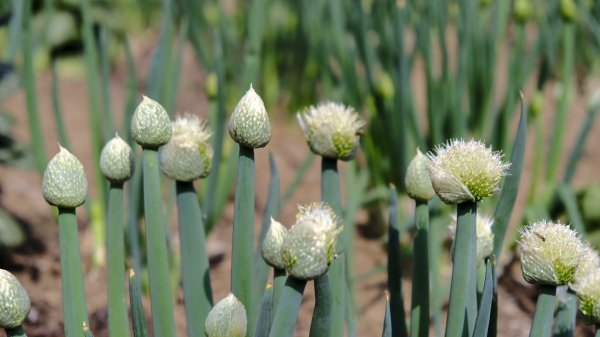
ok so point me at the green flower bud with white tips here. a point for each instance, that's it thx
(150, 124)
(465, 171)
(188, 155)
(417, 180)
(14, 301)
(550, 253)
(310, 243)
(116, 160)
(589, 264)
(226, 319)
(485, 236)
(249, 124)
(272, 247)
(588, 293)
(332, 130)
(64, 183)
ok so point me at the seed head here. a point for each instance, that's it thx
(116, 160)
(588, 293)
(272, 247)
(332, 130)
(64, 183)
(417, 180)
(465, 171)
(310, 243)
(14, 301)
(485, 236)
(589, 264)
(550, 253)
(249, 124)
(226, 319)
(188, 155)
(150, 124)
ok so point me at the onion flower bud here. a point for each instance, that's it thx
(116, 160)
(14, 301)
(272, 247)
(226, 319)
(417, 180)
(64, 183)
(249, 123)
(150, 124)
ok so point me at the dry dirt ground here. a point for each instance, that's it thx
(36, 263)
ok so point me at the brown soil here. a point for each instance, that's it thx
(36, 263)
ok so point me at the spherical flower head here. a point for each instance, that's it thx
(188, 155)
(14, 301)
(249, 124)
(589, 264)
(332, 130)
(116, 160)
(272, 247)
(226, 319)
(588, 293)
(310, 243)
(150, 124)
(485, 236)
(550, 253)
(417, 180)
(64, 183)
(465, 171)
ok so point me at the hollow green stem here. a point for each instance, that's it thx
(463, 269)
(394, 269)
(15, 332)
(544, 312)
(243, 231)
(419, 314)
(138, 316)
(284, 322)
(266, 313)
(320, 325)
(161, 298)
(566, 315)
(330, 193)
(118, 322)
(279, 278)
(73, 292)
(197, 290)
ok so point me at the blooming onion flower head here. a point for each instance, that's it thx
(417, 180)
(588, 293)
(64, 183)
(332, 130)
(249, 123)
(589, 264)
(188, 155)
(226, 319)
(14, 301)
(465, 171)
(550, 253)
(310, 243)
(116, 160)
(485, 236)
(272, 247)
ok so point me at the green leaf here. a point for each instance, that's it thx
(138, 316)
(485, 305)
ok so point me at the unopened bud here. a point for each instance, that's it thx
(226, 319)
(14, 301)
(64, 183)
(249, 124)
(116, 160)
(150, 124)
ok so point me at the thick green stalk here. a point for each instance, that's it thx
(197, 290)
(544, 312)
(320, 325)
(15, 332)
(138, 316)
(284, 322)
(463, 265)
(73, 292)
(419, 314)
(566, 315)
(279, 277)
(161, 298)
(243, 233)
(118, 322)
(266, 313)
(330, 193)
(394, 269)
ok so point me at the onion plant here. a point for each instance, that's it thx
(14, 305)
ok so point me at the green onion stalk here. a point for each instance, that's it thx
(64, 185)
(14, 305)
(418, 187)
(187, 157)
(138, 314)
(394, 269)
(151, 128)
(463, 173)
(116, 164)
(332, 131)
(249, 127)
